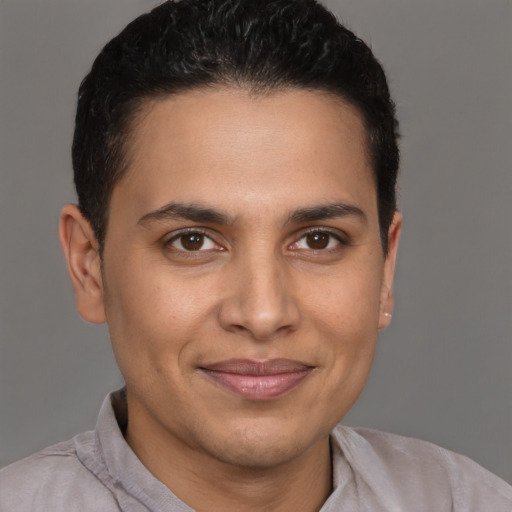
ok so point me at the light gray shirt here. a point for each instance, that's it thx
(372, 471)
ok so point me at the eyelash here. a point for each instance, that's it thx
(341, 241)
(190, 231)
(206, 238)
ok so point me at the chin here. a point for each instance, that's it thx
(262, 446)
(257, 456)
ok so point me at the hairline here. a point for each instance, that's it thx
(141, 107)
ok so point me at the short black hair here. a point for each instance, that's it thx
(260, 45)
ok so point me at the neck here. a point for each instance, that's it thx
(290, 487)
(209, 485)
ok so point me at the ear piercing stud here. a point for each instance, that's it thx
(388, 315)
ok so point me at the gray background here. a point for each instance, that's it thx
(443, 368)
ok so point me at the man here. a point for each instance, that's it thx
(235, 165)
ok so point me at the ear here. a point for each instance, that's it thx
(386, 298)
(81, 250)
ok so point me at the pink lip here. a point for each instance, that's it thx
(258, 380)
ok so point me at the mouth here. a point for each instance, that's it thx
(258, 380)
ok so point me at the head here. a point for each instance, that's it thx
(262, 46)
(235, 163)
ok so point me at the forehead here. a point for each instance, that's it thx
(235, 148)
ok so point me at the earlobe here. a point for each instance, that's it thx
(84, 265)
(387, 298)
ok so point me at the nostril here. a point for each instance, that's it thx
(258, 301)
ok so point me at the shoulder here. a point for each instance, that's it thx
(423, 471)
(54, 479)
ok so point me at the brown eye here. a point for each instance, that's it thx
(192, 241)
(318, 240)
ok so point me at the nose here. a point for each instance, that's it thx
(259, 301)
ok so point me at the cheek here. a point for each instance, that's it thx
(154, 317)
(347, 301)
(345, 316)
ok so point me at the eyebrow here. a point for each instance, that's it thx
(192, 212)
(323, 212)
(196, 213)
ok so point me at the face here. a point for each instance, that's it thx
(244, 280)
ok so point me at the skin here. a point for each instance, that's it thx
(258, 288)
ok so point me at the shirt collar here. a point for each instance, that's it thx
(127, 472)
(123, 465)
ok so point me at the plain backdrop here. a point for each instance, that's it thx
(443, 370)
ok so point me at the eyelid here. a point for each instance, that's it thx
(339, 235)
(342, 237)
(175, 235)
